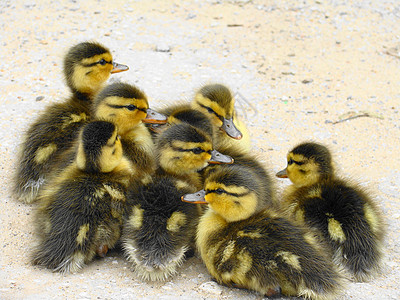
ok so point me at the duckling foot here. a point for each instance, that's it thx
(102, 250)
(273, 292)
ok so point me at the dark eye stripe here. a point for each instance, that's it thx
(211, 111)
(221, 191)
(130, 107)
(101, 62)
(299, 163)
(196, 150)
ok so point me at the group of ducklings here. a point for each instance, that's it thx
(106, 170)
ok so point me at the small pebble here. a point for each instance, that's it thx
(163, 48)
(211, 287)
(39, 98)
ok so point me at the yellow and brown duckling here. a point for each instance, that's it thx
(183, 113)
(217, 101)
(126, 106)
(184, 151)
(159, 229)
(86, 67)
(158, 232)
(341, 212)
(245, 244)
(81, 210)
(260, 174)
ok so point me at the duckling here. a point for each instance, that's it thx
(86, 67)
(260, 173)
(217, 101)
(245, 244)
(80, 211)
(126, 106)
(345, 216)
(159, 230)
(184, 151)
(183, 113)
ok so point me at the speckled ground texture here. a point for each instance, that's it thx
(298, 70)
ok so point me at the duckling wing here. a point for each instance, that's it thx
(53, 133)
(350, 224)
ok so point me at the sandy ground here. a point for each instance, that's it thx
(298, 70)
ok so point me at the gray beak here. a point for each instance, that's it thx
(219, 158)
(197, 197)
(231, 129)
(155, 117)
(119, 68)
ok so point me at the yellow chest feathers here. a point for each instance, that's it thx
(140, 135)
(210, 224)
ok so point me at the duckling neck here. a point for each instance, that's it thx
(209, 224)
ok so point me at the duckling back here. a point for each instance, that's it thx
(159, 229)
(80, 209)
(349, 222)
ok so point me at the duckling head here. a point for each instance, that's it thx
(184, 149)
(99, 149)
(87, 66)
(307, 164)
(217, 102)
(193, 117)
(231, 192)
(123, 104)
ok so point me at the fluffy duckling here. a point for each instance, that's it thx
(184, 151)
(259, 173)
(158, 229)
(126, 106)
(183, 113)
(345, 216)
(217, 101)
(86, 67)
(247, 245)
(80, 212)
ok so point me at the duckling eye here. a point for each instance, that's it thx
(102, 62)
(210, 110)
(291, 161)
(219, 191)
(197, 150)
(131, 107)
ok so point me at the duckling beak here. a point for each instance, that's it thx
(282, 174)
(219, 158)
(196, 198)
(231, 129)
(154, 117)
(118, 68)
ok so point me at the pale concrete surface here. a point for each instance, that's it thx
(297, 67)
